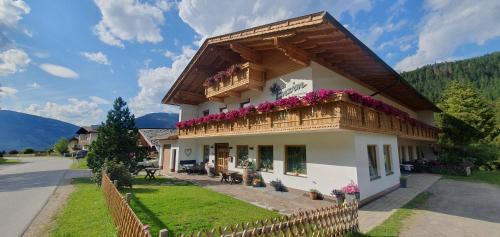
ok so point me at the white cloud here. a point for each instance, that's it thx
(99, 100)
(129, 20)
(59, 71)
(34, 85)
(7, 91)
(209, 19)
(97, 57)
(154, 82)
(12, 61)
(169, 54)
(80, 112)
(451, 24)
(11, 12)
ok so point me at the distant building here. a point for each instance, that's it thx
(148, 139)
(86, 135)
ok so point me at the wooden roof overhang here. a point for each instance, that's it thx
(317, 37)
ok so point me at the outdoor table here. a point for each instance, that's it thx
(150, 173)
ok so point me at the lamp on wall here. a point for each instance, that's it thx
(211, 146)
(251, 148)
(230, 148)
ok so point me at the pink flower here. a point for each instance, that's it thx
(351, 188)
(265, 107)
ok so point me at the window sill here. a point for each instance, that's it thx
(296, 175)
(389, 173)
(374, 178)
(266, 171)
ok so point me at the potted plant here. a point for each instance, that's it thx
(352, 191)
(278, 186)
(258, 181)
(403, 181)
(313, 194)
(248, 168)
(339, 196)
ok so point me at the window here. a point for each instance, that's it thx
(245, 103)
(206, 112)
(388, 160)
(265, 158)
(241, 155)
(206, 153)
(372, 162)
(223, 109)
(295, 160)
(410, 153)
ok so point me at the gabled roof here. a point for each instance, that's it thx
(88, 129)
(317, 37)
(151, 134)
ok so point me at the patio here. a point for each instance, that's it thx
(370, 215)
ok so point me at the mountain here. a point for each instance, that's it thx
(157, 120)
(19, 131)
(482, 73)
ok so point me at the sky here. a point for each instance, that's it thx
(69, 60)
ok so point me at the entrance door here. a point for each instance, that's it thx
(221, 157)
(166, 158)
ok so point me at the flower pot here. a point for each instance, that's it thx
(402, 183)
(247, 180)
(350, 197)
(340, 199)
(313, 195)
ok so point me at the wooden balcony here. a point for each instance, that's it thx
(251, 77)
(339, 113)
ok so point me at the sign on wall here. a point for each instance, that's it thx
(283, 89)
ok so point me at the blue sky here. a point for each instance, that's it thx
(69, 59)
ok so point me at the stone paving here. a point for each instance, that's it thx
(370, 215)
(376, 212)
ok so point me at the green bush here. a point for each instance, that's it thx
(28, 151)
(118, 171)
(13, 152)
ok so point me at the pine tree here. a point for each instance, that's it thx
(467, 116)
(116, 144)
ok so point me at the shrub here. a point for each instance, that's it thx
(61, 146)
(118, 171)
(278, 186)
(28, 151)
(13, 152)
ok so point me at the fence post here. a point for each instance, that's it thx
(115, 182)
(163, 233)
(128, 196)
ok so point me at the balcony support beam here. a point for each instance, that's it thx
(295, 54)
(246, 53)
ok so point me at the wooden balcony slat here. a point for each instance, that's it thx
(340, 113)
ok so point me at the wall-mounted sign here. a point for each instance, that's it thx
(293, 88)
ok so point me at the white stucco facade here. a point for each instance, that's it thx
(333, 157)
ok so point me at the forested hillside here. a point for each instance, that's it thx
(483, 73)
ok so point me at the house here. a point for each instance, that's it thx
(73, 144)
(306, 101)
(86, 135)
(148, 140)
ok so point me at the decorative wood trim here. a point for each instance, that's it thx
(295, 54)
(246, 53)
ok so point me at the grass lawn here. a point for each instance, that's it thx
(491, 177)
(182, 207)
(85, 213)
(79, 164)
(393, 225)
(4, 161)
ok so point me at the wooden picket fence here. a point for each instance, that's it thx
(124, 217)
(337, 220)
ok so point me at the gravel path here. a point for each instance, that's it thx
(24, 190)
(457, 208)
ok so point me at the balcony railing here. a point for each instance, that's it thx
(338, 113)
(251, 76)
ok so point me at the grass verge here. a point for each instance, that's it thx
(182, 207)
(79, 164)
(4, 161)
(85, 213)
(491, 177)
(392, 226)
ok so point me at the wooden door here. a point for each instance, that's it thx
(221, 157)
(166, 158)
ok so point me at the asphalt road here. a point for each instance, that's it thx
(24, 190)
